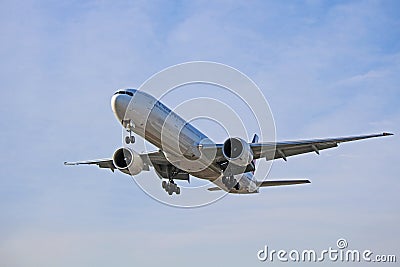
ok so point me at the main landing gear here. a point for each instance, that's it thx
(171, 187)
(169, 172)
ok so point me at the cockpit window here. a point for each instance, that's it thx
(123, 93)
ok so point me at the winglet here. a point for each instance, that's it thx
(386, 134)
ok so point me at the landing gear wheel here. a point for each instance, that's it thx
(127, 140)
(232, 182)
(229, 182)
(170, 187)
(237, 186)
(130, 139)
(224, 180)
(170, 190)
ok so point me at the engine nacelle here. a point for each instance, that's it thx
(128, 161)
(237, 151)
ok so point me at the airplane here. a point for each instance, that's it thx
(184, 151)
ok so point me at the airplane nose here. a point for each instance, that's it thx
(119, 105)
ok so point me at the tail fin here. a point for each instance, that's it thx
(255, 140)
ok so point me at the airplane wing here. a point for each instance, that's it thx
(284, 149)
(275, 150)
(163, 167)
(281, 182)
(102, 163)
(269, 150)
(156, 159)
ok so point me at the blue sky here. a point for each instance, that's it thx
(327, 68)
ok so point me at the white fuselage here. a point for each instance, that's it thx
(179, 140)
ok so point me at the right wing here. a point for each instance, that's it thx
(156, 159)
(150, 159)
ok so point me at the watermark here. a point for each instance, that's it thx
(339, 253)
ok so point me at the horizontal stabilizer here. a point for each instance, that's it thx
(271, 183)
(281, 182)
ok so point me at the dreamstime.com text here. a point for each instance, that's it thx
(339, 254)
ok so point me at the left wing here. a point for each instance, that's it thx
(290, 148)
(284, 149)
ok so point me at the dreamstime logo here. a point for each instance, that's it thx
(341, 243)
(213, 97)
(331, 254)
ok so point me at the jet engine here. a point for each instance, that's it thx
(128, 161)
(237, 151)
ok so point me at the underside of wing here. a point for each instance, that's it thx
(163, 167)
(102, 163)
(275, 150)
(281, 182)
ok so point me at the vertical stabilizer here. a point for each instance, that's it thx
(255, 140)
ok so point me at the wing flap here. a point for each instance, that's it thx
(155, 157)
(163, 167)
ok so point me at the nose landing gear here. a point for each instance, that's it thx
(129, 126)
(130, 139)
